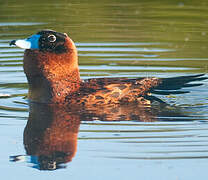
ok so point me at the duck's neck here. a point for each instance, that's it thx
(51, 77)
(51, 90)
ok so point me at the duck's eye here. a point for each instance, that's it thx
(51, 38)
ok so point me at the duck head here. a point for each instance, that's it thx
(50, 64)
(45, 41)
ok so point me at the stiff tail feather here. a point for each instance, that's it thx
(174, 84)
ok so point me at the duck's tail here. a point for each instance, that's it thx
(174, 84)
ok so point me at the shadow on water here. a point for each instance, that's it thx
(51, 133)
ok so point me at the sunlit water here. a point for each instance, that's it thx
(131, 39)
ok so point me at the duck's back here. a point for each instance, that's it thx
(101, 91)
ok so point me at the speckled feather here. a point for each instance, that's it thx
(122, 90)
(113, 91)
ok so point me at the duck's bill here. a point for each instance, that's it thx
(29, 43)
(21, 44)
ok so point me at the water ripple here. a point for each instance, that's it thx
(21, 23)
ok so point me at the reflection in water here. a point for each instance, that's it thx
(50, 136)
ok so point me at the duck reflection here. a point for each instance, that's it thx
(51, 133)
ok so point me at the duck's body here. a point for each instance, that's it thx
(51, 67)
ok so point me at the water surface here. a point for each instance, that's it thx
(114, 39)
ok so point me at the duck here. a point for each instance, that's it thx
(51, 66)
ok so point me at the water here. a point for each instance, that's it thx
(114, 39)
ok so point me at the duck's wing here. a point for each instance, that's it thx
(114, 90)
(117, 90)
(122, 85)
